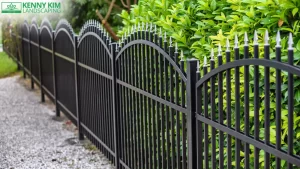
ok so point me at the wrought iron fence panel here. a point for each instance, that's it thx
(34, 50)
(64, 44)
(151, 87)
(47, 60)
(95, 88)
(25, 46)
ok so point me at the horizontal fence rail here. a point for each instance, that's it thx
(144, 106)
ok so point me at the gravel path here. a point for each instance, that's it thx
(31, 139)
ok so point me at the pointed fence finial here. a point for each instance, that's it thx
(278, 39)
(151, 25)
(135, 27)
(227, 45)
(170, 41)
(146, 26)
(266, 37)
(165, 36)
(290, 42)
(132, 29)
(117, 49)
(176, 47)
(181, 56)
(160, 32)
(139, 26)
(143, 25)
(155, 29)
(205, 61)
(125, 35)
(198, 67)
(212, 54)
(122, 38)
(219, 50)
(236, 41)
(246, 40)
(255, 38)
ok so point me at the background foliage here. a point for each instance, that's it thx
(198, 26)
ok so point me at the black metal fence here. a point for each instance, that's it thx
(136, 101)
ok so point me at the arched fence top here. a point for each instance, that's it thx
(25, 29)
(159, 50)
(250, 62)
(96, 36)
(64, 24)
(34, 21)
(34, 25)
(46, 23)
(88, 23)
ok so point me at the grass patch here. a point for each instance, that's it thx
(7, 65)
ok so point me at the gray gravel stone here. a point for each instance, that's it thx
(31, 139)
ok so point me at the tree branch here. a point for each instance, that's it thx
(124, 4)
(109, 10)
(107, 26)
(129, 5)
(115, 5)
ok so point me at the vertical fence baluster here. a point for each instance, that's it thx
(183, 116)
(30, 59)
(126, 104)
(172, 151)
(145, 76)
(290, 100)
(213, 113)
(246, 102)
(278, 100)
(152, 131)
(40, 66)
(228, 104)
(177, 112)
(237, 104)
(116, 108)
(162, 81)
(149, 114)
(54, 74)
(267, 101)
(205, 103)
(138, 159)
(220, 109)
(158, 93)
(256, 100)
(132, 105)
(199, 124)
(167, 119)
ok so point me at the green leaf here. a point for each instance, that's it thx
(298, 46)
(295, 10)
(297, 95)
(213, 5)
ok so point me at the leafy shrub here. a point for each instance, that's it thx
(198, 26)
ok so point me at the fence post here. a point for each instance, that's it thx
(115, 93)
(22, 40)
(191, 106)
(80, 134)
(30, 58)
(40, 66)
(54, 75)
